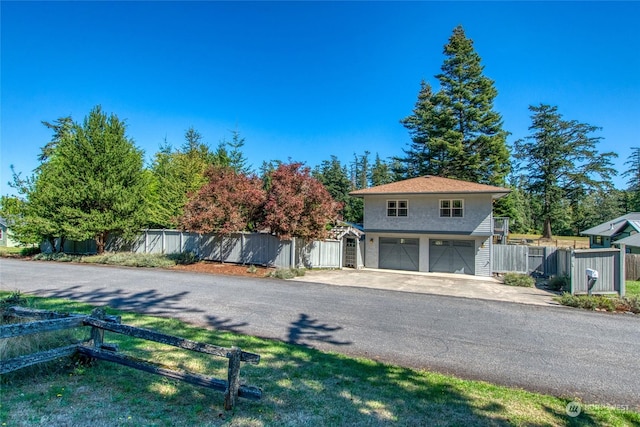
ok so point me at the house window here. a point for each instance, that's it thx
(597, 240)
(397, 208)
(453, 208)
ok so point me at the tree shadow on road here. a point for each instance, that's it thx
(305, 330)
(147, 302)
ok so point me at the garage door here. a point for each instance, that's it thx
(399, 254)
(452, 256)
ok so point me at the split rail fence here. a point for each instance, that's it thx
(49, 321)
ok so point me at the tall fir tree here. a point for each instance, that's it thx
(560, 164)
(633, 179)
(456, 132)
(380, 172)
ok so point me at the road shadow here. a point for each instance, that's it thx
(305, 329)
(145, 302)
(227, 324)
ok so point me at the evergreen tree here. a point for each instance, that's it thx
(90, 183)
(335, 179)
(633, 179)
(456, 132)
(175, 176)
(380, 172)
(560, 164)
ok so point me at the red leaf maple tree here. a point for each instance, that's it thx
(227, 203)
(298, 205)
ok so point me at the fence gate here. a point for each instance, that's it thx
(350, 253)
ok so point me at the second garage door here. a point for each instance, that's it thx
(399, 253)
(452, 256)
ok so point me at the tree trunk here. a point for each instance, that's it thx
(100, 238)
(546, 229)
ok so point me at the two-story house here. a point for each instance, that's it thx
(431, 224)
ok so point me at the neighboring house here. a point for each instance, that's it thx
(5, 235)
(606, 234)
(632, 243)
(430, 224)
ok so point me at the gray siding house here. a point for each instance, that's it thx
(430, 224)
(605, 235)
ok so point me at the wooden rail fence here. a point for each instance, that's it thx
(49, 321)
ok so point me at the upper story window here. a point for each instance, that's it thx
(453, 208)
(397, 207)
(597, 240)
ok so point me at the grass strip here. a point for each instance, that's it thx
(301, 386)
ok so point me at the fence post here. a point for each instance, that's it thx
(572, 273)
(623, 274)
(97, 334)
(233, 384)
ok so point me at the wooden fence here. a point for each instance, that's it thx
(632, 266)
(551, 261)
(50, 321)
(238, 248)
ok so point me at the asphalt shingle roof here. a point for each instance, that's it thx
(429, 184)
(613, 227)
(633, 240)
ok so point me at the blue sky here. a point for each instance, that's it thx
(305, 80)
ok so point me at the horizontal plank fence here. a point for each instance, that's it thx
(48, 321)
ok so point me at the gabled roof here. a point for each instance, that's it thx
(429, 184)
(633, 240)
(615, 226)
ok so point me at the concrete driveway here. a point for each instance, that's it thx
(456, 285)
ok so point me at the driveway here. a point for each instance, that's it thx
(455, 285)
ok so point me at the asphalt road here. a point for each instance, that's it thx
(555, 350)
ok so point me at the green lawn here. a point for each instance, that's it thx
(632, 288)
(301, 386)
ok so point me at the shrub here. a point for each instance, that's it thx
(560, 283)
(252, 269)
(129, 259)
(287, 273)
(601, 302)
(57, 256)
(184, 258)
(517, 279)
(30, 251)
